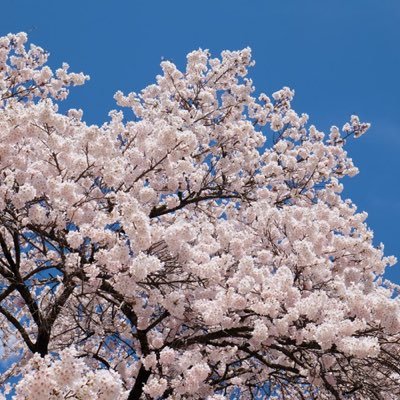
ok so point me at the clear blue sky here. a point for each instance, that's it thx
(342, 57)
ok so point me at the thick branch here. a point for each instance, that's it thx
(140, 381)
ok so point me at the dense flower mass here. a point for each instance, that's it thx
(200, 250)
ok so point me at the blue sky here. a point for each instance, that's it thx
(341, 57)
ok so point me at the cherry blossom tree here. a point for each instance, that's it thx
(199, 250)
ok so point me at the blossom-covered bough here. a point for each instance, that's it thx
(176, 255)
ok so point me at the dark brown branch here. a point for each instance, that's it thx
(17, 325)
(140, 381)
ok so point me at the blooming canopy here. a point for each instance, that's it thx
(181, 254)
